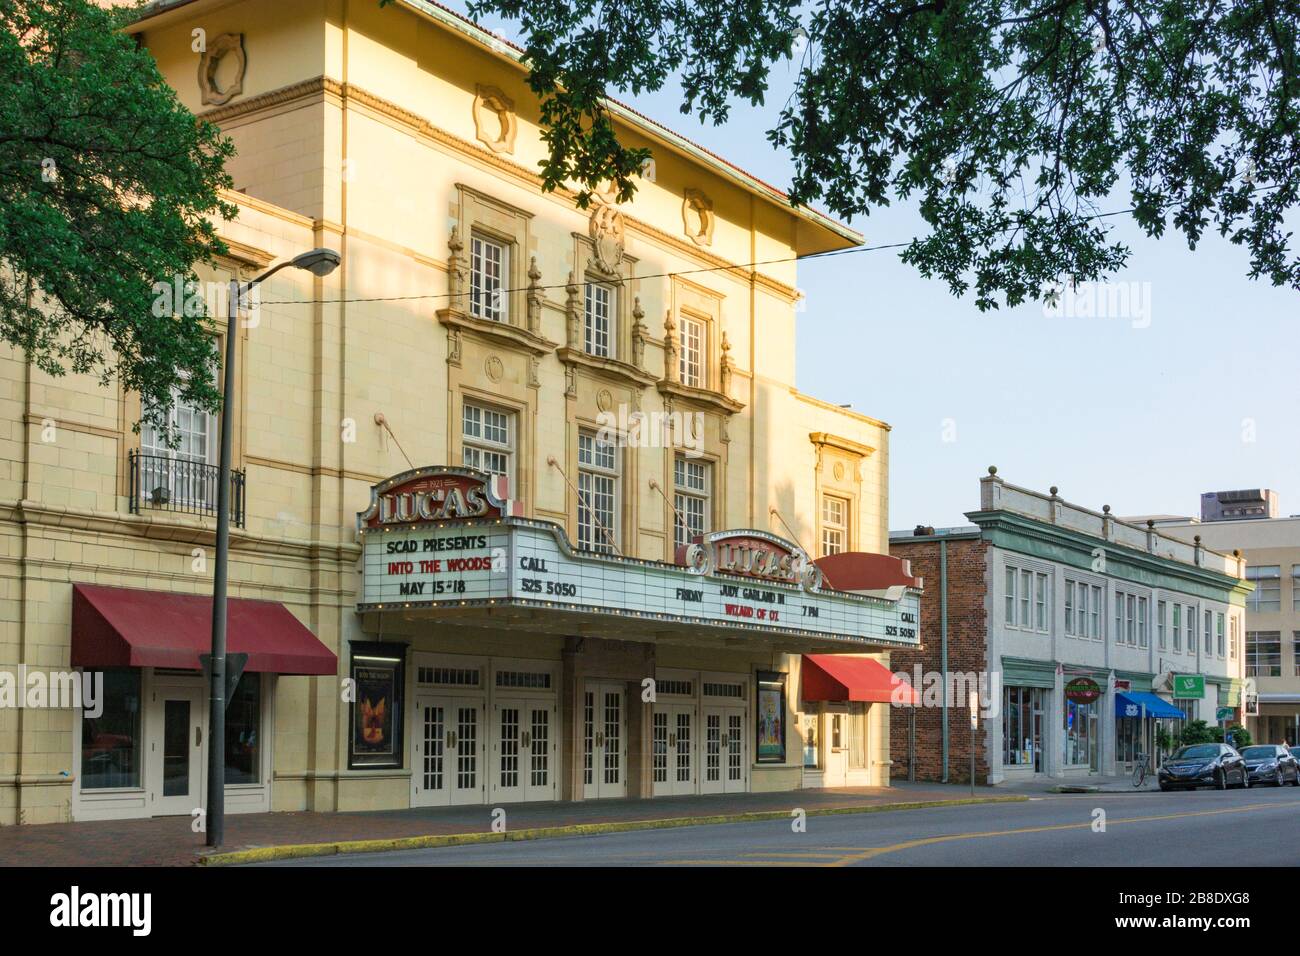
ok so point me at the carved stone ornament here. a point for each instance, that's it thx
(494, 368)
(494, 120)
(672, 372)
(639, 332)
(697, 217)
(608, 238)
(534, 297)
(727, 367)
(572, 315)
(218, 49)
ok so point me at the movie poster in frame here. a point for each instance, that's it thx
(769, 717)
(378, 680)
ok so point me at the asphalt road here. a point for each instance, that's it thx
(1259, 827)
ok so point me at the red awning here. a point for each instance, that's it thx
(130, 627)
(834, 677)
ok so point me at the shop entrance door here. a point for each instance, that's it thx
(674, 749)
(604, 740)
(523, 743)
(837, 754)
(447, 751)
(724, 750)
(177, 750)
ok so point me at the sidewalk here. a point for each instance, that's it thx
(168, 841)
(1094, 783)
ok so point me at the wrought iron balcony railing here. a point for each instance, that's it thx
(188, 487)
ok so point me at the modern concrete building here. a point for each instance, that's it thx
(1240, 505)
(1271, 548)
(1082, 633)
(488, 473)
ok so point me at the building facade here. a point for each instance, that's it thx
(481, 470)
(1084, 635)
(1271, 548)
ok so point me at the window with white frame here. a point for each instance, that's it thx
(1295, 651)
(1028, 599)
(1094, 613)
(835, 525)
(489, 264)
(691, 488)
(1189, 619)
(1082, 603)
(1218, 634)
(598, 322)
(175, 470)
(598, 493)
(1177, 630)
(1209, 633)
(1295, 587)
(487, 439)
(691, 360)
(1162, 637)
(1143, 615)
(1267, 595)
(1233, 630)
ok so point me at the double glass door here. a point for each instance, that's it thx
(524, 749)
(604, 739)
(673, 746)
(724, 750)
(447, 751)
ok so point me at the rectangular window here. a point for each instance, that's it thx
(1263, 653)
(1178, 628)
(691, 489)
(1218, 634)
(488, 439)
(178, 475)
(244, 731)
(1267, 595)
(1161, 636)
(1069, 606)
(598, 493)
(1189, 618)
(1023, 712)
(692, 354)
(1010, 597)
(1295, 587)
(857, 729)
(1094, 614)
(1142, 622)
(835, 525)
(489, 264)
(1232, 637)
(1295, 651)
(1130, 620)
(598, 335)
(1209, 633)
(1119, 618)
(1040, 602)
(110, 743)
(1026, 598)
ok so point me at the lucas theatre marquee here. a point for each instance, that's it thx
(447, 539)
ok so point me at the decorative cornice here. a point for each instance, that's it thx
(700, 396)
(350, 93)
(501, 333)
(841, 444)
(622, 373)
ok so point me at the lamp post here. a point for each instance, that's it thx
(319, 262)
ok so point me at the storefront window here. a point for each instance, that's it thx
(110, 743)
(1022, 727)
(857, 735)
(243, 731)
(1080, 735)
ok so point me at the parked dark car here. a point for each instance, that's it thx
(1272, 763)
(1204, 765)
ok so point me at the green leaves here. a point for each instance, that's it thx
(1016, 126)
(108, 185)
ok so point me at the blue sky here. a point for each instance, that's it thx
(1141, 414)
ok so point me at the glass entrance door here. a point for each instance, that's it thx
(723, 761)
(177, 750)
(447, 751)
(604, 740)
(673, 739)
(523, 741)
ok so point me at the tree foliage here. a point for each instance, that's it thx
(108, 185)
(1015, 126)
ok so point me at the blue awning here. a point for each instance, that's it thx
(1129, 703)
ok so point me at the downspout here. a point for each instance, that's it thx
(943, 646)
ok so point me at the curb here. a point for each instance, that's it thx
(289, 851)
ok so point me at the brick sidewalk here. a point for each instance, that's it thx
(167, 841)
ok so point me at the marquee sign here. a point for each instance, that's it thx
(747, 580)
(755, 554)
(437, 494)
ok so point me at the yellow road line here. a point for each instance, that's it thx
(798, 856)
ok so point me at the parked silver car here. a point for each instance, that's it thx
(1271, 763)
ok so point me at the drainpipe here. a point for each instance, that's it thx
(943, 645)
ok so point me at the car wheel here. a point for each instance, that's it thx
(1220, 780)
(1295, 780)
(1165, 788)
(1279, 779)
(1245, 779)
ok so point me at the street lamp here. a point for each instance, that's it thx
(319, 262)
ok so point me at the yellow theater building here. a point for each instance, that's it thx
(526, 503)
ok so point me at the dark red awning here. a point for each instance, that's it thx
(130, 627)
(834, 677)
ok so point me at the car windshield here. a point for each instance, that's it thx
(1259, 753)
(1197, 750)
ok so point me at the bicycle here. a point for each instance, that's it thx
(1140, 770)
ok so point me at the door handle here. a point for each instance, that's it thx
(527, 739)
(198, 736)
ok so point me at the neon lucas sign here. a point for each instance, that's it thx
(751, 554)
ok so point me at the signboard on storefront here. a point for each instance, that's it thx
(1224, 714)
(496, 558)
(1082, 690)
(1189, 686)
